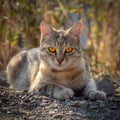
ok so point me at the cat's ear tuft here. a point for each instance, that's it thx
(76, 29)
(45, 29)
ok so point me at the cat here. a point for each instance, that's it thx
(56, 68)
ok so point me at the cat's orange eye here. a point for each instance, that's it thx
(68, 50)
(52, 49)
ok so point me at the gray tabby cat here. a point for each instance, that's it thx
(56, 68)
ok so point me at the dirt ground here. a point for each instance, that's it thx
(26, 106)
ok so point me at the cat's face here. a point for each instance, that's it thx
(60, 50)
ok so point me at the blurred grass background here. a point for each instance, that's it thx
(20, 20)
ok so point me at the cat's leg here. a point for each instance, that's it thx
(54, 90)
(92, 93)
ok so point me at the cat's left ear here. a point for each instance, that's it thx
(45, 29)
(76, 29)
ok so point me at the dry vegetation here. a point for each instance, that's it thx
(19, 28)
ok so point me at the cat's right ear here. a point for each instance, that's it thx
(76, 29)
(45, 29)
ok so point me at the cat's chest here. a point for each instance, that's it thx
(59, 77)
(71, 79)
(64, 77)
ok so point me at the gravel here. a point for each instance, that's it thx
(25, 106)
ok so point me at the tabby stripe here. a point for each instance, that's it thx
(52, 91)
(45, 88)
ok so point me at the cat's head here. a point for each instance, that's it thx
(60, 49)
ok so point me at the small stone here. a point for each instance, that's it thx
(81, 104)
(114, 107)
(52, 112)
(25, 91)
(76, 104)
(59, 115)
(115, 99)
(26, 100)
(4, 100)
(100, 103)
(84, 104)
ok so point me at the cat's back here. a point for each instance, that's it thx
(22, 68)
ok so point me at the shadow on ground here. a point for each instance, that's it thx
(26, 106)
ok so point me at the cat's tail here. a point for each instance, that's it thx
(106, 86)
(17, 71)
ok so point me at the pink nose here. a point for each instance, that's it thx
(60, 59)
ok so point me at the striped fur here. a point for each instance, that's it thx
(39, 70)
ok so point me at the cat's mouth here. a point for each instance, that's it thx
(60, 67)
(56, 71)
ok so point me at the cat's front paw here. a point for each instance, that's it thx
(65, 93)
(55, 91)
(97, 95)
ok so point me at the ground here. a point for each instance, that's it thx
(26, 106)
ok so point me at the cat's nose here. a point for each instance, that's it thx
(60, 59)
